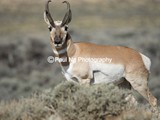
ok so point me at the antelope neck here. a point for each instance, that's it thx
(65, 53)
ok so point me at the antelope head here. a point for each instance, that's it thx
(58, 29)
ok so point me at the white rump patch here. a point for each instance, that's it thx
(146, 61)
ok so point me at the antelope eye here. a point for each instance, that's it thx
(50, 28)
(66, 28)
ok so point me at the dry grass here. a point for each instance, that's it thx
(24, 38)
(17, 17)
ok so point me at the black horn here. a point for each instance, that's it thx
(48, 15)
(68, 16)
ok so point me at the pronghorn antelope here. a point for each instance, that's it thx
(125, 62)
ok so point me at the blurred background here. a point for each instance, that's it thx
(25, 44)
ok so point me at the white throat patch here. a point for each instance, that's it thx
(60, 52)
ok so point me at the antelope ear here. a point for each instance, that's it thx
(46, 19)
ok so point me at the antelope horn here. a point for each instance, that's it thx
(68, 16)
(47, 13)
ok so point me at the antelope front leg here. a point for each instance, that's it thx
(85, 82)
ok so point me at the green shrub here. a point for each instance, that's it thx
(75, 102)
(71, 101)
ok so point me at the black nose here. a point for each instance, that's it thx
(57, 40)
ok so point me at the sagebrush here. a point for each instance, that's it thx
(71, 101)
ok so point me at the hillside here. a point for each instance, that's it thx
(28, 83)
(25, 47)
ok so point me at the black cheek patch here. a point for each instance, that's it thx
(66, 28)
(50, 28)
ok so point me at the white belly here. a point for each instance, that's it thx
(107, 72)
